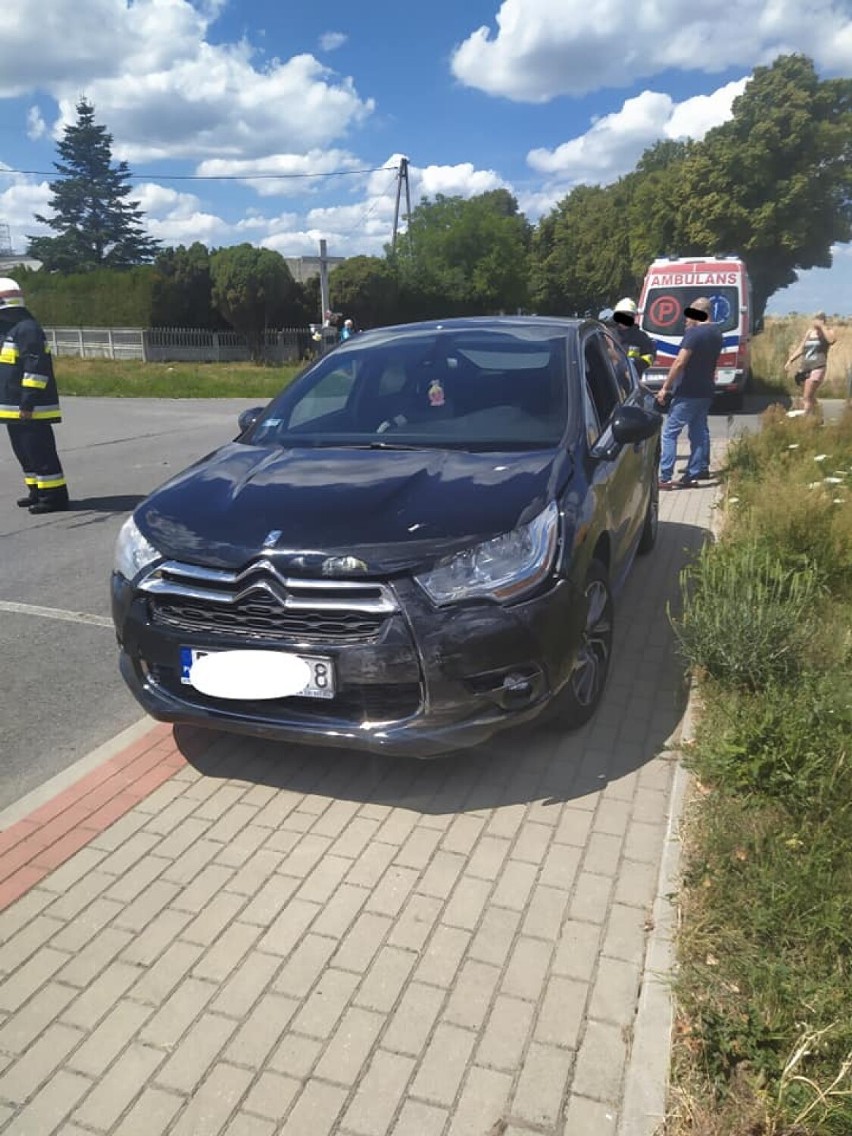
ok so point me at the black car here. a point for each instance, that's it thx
(416, 544)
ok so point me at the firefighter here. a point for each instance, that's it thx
(639, 347)
(29, 402)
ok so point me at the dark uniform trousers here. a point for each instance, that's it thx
(34, 446)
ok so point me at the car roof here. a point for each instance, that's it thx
(555, 324)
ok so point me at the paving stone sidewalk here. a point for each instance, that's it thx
(296, 941)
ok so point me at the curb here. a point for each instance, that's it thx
(46, 827)
(646, 1083)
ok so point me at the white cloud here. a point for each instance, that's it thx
(615, 142)
(74, 41)
(545, 48)
(461, 180)
(165, 91)
(283, 174)
(36, 127)
(20, 199)
(330, 41)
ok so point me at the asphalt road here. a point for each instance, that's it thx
(60, 691)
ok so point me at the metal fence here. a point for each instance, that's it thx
(175, 344)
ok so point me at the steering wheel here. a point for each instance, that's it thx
(395, 423)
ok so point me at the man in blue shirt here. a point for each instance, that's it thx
(691, 381)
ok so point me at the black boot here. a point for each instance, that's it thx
(52, 502)
(25, 502)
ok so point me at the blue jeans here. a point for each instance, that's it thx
(692, 414)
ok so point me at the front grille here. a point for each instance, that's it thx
(260, 618)
(261, 604)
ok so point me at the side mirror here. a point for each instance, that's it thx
(248, 418)
(631, 424)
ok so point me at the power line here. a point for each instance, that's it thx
(211, 177)
(376, 202)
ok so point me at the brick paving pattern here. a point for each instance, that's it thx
(213, 934)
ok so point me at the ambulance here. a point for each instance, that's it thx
(672, 284)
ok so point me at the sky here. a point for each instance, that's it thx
(283, 124)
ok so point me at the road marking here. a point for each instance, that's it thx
(56, 613)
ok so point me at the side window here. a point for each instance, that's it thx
(329, 394)
(600, 379)
(625, 376)
(590, 415)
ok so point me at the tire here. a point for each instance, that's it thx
(577, 702)
(652, 519)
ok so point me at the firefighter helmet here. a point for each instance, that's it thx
(11, 295)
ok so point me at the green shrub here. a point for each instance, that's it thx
(787, 744)
(747, 618)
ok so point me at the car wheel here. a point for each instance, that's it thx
(579, 699)
(652, 520)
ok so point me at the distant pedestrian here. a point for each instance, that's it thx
(29, 402)
(813, 350)
(691, 382)
(347, 330)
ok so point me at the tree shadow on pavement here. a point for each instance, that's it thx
(637, 720)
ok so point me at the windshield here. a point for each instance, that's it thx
(663, 313)
(480, 389)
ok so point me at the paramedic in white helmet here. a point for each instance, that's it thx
(638, 346)
(29, 402)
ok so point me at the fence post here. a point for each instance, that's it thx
(216, 346)
(111, 344)
(80, 340)
(144, 343)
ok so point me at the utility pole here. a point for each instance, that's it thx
(323, 275)
(401, 176)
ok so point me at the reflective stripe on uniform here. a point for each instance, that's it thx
(50, 481)
(9, 352)
(39, 413)
(38, 382)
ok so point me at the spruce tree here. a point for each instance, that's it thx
(96, 226)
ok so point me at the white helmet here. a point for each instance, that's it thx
(626, 305)
(11, 295)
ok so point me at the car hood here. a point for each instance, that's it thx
(391, 509)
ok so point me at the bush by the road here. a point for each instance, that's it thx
(764, 1030)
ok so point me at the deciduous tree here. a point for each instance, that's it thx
(255, 291)
(183, 289)
(464, 256)
(774, 183)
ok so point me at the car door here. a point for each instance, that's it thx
(618, 473)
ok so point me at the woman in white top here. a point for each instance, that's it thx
(813, 352)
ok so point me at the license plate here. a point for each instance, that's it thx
(320, 684)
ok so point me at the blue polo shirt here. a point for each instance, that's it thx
(697, 380)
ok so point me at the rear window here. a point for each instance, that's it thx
(664, 308)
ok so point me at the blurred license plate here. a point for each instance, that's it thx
(320, 684)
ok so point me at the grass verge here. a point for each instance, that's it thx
(131, 378)
(763, 1042)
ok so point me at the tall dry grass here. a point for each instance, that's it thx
(771, 347)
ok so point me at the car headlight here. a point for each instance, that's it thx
(504, 568)
(132, 551)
